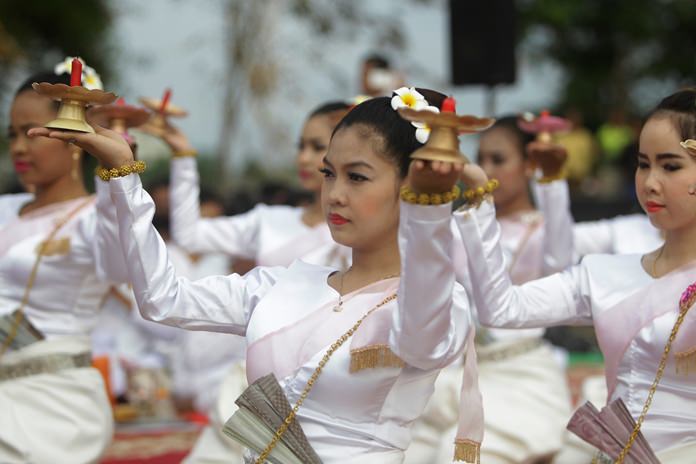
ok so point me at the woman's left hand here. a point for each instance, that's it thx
(433, 176)
(106, 145)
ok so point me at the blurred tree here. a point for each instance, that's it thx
(616, 54)
(254, 67)
(37, 35)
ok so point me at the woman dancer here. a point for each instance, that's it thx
(54, 404)
(636, 302)
(269, 235)
(525, 423)
(292, 316)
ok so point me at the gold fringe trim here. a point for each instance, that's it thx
(467, 451)
(686, 361)
(373, 356)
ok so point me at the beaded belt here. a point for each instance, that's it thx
(48, 364)
(509, 351)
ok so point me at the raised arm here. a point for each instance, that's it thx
(554, 203)
(218, 303)
(433, 317)
(558, 299)
(104, 237)
(234, 236)
(551, 193)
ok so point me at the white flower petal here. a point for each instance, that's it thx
(422, 135)
(401, 91)
(416, 94)
(397, 102)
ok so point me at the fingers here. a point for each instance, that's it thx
(78, 138)
(39, 132)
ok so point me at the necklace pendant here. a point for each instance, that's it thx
(338, 308)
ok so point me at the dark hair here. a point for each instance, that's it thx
(681, 109)
(335, 110)
(509, 123)
(44, 76)
(397, 136)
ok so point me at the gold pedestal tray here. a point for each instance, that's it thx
(543, 126)
(119, 117)
(157, 122)
(73, 102)
(445, 127)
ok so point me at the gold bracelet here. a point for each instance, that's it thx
(475, 196)
(409, 196)
(548, 179)
(185, 153)
(105, 174)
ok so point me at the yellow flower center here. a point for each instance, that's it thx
(409, 100)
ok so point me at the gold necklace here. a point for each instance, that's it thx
(339, 306)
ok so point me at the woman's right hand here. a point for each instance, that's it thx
(106, 145)
(550, 157)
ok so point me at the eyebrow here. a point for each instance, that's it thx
(353, 164)
(663, 156)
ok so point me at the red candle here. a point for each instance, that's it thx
(76, 73)
(449, 105)
(165, 100)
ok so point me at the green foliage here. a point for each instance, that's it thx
(615, 53)
(32, 32)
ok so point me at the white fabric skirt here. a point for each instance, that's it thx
(213, 446)
(526, 406)
(62, 417)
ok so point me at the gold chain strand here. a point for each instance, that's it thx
(32, 276)
(310, 383)
(653, 388)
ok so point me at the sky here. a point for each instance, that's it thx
(179, 44)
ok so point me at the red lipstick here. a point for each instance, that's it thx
(653, 207)
(21, 166)
(337, 219)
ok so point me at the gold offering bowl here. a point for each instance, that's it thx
(73, 102)
(445, 128)
(157, 121)
(119, 117)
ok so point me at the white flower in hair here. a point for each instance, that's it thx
(65, 66)
(408, 98)
(90, 79)
(422, 129)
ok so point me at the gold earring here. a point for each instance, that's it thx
(74, 173)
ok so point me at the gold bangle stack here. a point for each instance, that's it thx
(409, 196)
(548, 179)
(475, 196)
(105, 174)
(185, 153)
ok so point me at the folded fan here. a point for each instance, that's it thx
(262, 409)
(609, 430)
(26, 332)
